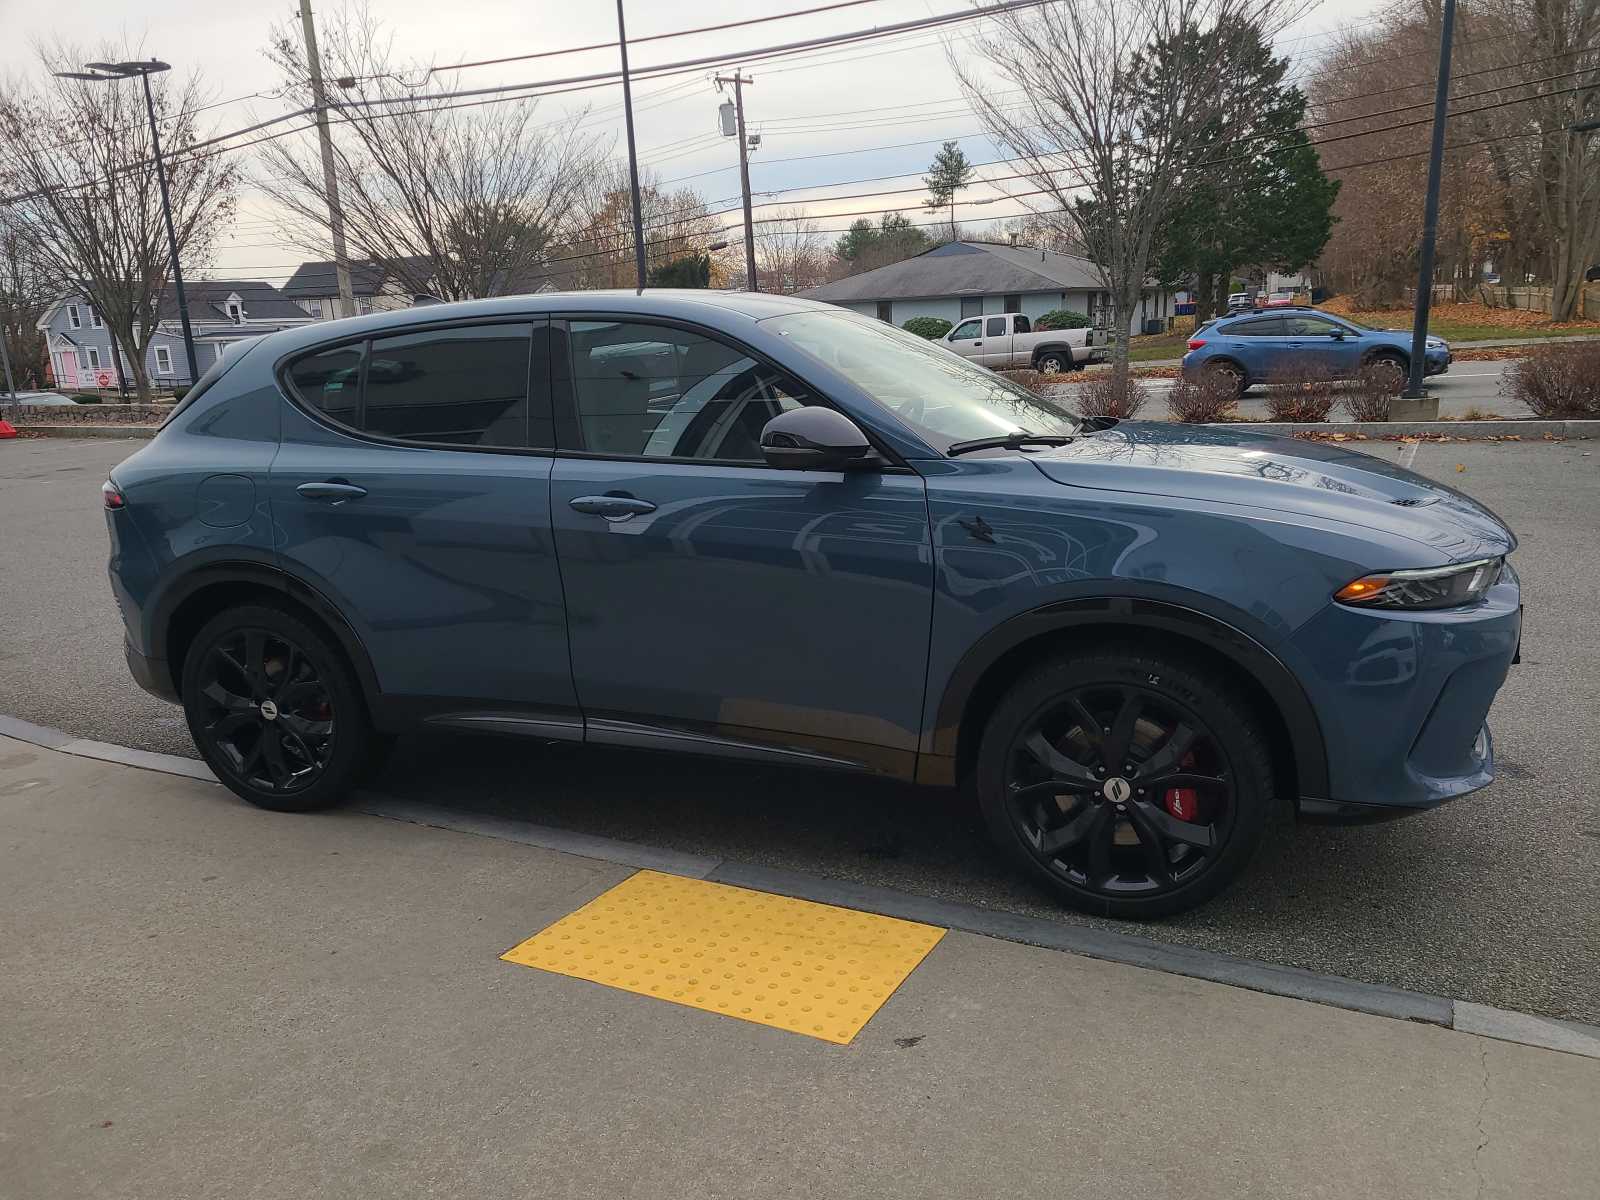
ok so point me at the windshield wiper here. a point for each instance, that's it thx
(1011, 441)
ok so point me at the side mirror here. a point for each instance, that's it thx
(1337, 335)
(814, 439)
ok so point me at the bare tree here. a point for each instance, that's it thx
(458, 200)
(598, 250)
(791, 252)
(27, 288)
(79, 157)
(1117, 95)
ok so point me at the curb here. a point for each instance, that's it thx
(1482, 1020)
(1535, 429)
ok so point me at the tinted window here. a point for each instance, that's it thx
(1311, 326)
(966, 330)
(658, 392)
(463, 387)
(1021, 325)
(331, 382)
(1271, 327)
(996, 327)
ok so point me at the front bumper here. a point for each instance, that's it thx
(1404, 700)
(1436, 363)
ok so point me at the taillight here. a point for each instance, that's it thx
(110, 493)
(1196, 343)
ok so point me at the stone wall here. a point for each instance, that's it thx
(85, 414)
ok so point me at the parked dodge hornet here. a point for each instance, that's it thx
(772, 530)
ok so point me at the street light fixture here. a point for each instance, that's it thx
(100, 71)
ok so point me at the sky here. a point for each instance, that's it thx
(826, 118)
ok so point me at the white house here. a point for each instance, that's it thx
(967, 279)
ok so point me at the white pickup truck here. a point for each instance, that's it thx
(1007, 341)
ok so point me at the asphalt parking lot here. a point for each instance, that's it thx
(1493, 898)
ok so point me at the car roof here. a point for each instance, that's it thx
(691, 304)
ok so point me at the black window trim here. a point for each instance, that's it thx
(286, 386)
(563, 393)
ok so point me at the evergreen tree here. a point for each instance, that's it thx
(949, 173)
(864, 245)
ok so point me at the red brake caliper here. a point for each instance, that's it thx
(1183, 802)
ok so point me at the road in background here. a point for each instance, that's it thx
(1491, 898)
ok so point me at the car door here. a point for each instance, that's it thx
(1258, 344)
(412, 487)
(715, 602)
(996, 343)
(966, 339)
(1333, 348)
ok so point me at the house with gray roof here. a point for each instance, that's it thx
(314, 286)
(220, 312)
(967, 279)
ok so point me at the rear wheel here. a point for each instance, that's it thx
(1229, 374)
(1053, 362)
(275, 710)
(1131, 783)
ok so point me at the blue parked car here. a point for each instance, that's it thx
(772, 530)
(1257, 347)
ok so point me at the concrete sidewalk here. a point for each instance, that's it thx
(203, 999)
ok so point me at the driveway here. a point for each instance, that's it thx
(1492, 898)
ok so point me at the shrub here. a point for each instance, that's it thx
(1304, 391)
(1196, 401)
(927, 327)
(179, 392)
(86, 398)
(1374, 390)
(1561, 380)
(1062, 318)
(1108, 396)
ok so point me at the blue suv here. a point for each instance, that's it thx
(772, 530)
(1258, 347)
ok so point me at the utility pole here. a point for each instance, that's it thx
(738, 81)
(633, 154)
(1430, 209)
(330, 181)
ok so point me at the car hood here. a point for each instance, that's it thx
(1232, 465)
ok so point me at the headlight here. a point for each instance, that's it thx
(1434, 587)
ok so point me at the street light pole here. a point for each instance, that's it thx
(99, 72)
(1430, 209)
(633, 154)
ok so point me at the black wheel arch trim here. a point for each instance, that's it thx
(269, 576)
(1276, 680)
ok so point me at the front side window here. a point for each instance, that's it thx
(1311, 327)
(941, 395)
(966, 331)
(653, 391)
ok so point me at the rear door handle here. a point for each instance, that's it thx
(612, 508)
(332, 490)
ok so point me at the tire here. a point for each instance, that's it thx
(1084, 832)
(1396, 361)
(1053, 362)
(1232, 372)
(275, 710)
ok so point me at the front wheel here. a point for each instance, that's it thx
(275, 709)
(1132, 783)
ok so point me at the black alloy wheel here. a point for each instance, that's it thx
(1112, 785)
(274, 710)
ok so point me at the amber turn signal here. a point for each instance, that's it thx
(1360, 589)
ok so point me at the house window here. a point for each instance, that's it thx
(364, 305)
(313, 307)
(235, 312)
(1013, 303)
(95, 320)
(886, 311)
(92, 357)
(74, 318)
(971, 306)
(163, 360)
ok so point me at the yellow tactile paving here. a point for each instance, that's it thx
(808, 968)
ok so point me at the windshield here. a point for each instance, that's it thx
(939, 394)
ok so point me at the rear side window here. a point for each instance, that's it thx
(331, 382)
(458, 386)
(1272, 327)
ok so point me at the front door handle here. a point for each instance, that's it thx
(335, 491)
(612, 508)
